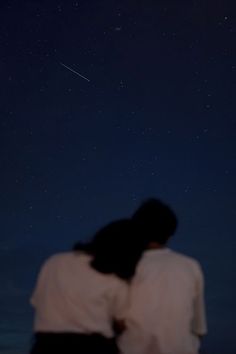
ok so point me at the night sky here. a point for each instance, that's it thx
(156, 118)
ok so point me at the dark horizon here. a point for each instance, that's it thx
(155, 119)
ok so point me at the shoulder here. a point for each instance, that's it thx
(182, 257)
(56, 259)
(187, 261)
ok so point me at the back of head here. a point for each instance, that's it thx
(116, 248)
(156, 221)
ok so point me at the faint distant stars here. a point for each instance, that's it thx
(156, 158)
(141, 135)
(187, 189)
(134, 197)
(121, 85)
(147, 130)
(204, 131)
(223, 21)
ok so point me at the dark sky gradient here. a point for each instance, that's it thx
(156, 119)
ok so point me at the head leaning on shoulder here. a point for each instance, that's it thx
(115, 248)
(156, 221)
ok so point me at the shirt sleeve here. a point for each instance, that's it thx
(40, 285)
(199, 316)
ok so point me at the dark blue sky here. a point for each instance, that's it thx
(157, 118)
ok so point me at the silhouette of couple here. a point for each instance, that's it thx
(123, 292)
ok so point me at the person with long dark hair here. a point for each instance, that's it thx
(81, 295)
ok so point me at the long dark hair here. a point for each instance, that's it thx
(116, 248)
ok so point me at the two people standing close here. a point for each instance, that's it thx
(123, 292)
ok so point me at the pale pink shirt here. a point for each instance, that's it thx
(70, 296)
(166, 312)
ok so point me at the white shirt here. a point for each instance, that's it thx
(166, 312)
(70, 296)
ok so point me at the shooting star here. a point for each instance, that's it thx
(75, 72)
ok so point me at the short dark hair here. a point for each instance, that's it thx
(156, 220)
(116, 248)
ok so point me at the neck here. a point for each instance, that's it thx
(155, 245)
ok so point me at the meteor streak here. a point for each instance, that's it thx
(75, 72)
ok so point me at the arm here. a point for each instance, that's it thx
(199, 316)
(40, 285)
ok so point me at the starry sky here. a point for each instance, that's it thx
(154, 115)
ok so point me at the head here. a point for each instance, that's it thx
(116, 248)
(156, 221)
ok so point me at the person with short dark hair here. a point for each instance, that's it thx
(157, 220)
(166, 313)
(80, 295)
